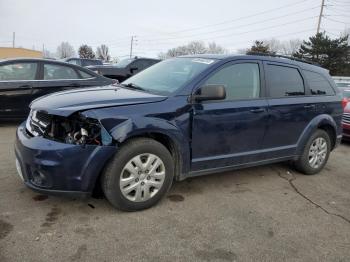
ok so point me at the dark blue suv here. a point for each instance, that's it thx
(180, 118)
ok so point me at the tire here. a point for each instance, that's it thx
(303, 163)
(127, 172)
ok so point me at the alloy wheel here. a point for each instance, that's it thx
(317, 152)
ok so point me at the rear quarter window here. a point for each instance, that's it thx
(284, 81)
(85, 75)
(318, 84)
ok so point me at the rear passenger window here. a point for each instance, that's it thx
(284, 81)
(319, 85)
(57, 72)
(242, 81)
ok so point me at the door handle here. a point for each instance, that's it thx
(309, 106)
(257, 110)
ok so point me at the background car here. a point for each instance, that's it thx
(346, 97)
(83, 61)
(125, 68)
(346, 123)
(23, 80)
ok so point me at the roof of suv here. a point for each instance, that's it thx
(285, 60)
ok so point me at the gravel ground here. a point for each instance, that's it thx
(269, 213)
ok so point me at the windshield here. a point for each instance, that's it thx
(169, 75)
(124, 62)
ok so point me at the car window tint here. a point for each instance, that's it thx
(18, 71)
(85, 75)
(284, 81)
(91, 62)
(140, 65)
(74, 62)
(242, 81)
(52, 72)
(319, 85)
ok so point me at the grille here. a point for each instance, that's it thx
(346, 118)
(37, 123)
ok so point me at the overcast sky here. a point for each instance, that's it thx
(163, 24)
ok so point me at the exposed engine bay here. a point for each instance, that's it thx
(75, 129)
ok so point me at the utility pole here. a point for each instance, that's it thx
(13, 39)
(133, 38)
(320, 17)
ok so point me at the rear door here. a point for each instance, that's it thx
(230, 132)
(58, 77)
(291, 108)
(16, 82)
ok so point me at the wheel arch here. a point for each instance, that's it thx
(324, 122)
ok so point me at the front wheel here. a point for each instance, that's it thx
(315, 154)
(139, 175)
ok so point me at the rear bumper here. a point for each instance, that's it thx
(56, 168)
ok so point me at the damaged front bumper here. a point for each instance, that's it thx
(53, 167)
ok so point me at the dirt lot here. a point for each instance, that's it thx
(268, 213)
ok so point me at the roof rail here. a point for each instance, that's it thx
(287, 57)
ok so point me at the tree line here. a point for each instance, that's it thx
(65, 50)
(332, 54)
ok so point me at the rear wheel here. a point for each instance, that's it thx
(139, 175)
(315, 154)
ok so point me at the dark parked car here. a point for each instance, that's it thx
(180, 118)
(125, 68)
(23, 80)
(83, 61)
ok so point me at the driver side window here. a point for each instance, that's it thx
(242, 81)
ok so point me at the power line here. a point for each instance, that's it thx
(235, 27)
(258, 30)
(234, 20)
(337, 21)
(243, 42)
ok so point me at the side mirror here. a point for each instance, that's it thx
(210, 92)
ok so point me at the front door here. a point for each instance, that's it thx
(16, 82)
(230, 132)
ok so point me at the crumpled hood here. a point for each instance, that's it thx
(66, 103)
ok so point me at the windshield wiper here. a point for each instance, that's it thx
(133, 86)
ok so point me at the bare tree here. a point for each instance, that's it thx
(102, 53)
(65, 50)
(346, 33)
(192, 48)
(47, 54)
(287, 48)
(213, 48)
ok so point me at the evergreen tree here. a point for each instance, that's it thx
(86, 51)
(260, 48)
(332, 54)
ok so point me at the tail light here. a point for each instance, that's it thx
(344, 102)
